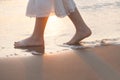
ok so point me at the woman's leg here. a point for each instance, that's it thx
(37, 38)
(82, 30)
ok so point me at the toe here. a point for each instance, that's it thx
(72, 43)
(16, 44)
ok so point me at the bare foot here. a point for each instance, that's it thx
(79, 36)
(29, 42)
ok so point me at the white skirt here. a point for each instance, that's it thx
(43, 8)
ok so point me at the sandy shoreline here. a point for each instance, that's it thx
(61, 63)
(99, 63)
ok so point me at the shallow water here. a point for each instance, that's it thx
(102, 16)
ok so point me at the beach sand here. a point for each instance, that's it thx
(99, 63)
(99, 60)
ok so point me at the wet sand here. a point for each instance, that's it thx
(99, 60)
(101, 16)
(99, 63)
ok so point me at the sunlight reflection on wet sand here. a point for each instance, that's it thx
(14, 26)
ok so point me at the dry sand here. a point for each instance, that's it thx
(100, 63)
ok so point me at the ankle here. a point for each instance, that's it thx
(37, 40)
(86, 31)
